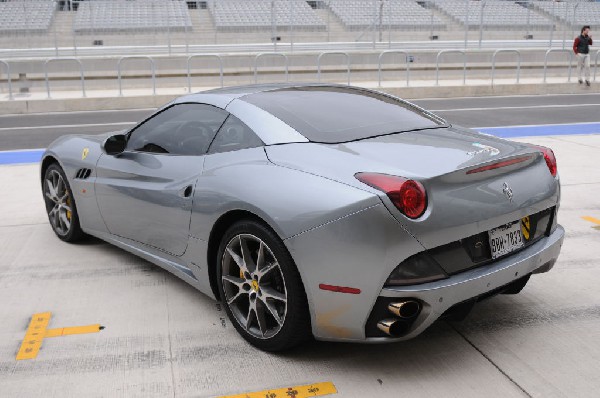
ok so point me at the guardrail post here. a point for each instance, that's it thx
(8, 79)
(217, 56)
(345, 54)
(285, 57)
(560, 50)
(81, 74)
(406, 59)
(437, 64)
(152, 65)
(506, 51)
(596, 64)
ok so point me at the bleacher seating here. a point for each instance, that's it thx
(28, 16)
(107, 16)
(397, 14)
(497, 15)
(232, 14)
(578, 14)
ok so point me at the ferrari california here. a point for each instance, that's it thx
(314, 210)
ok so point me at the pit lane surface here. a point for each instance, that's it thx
(163, 338)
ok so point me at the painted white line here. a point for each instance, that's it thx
(67, 126)
(513, 107)
(535, 125)
(504, 96)
(78, 112)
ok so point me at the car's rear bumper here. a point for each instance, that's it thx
(438, 297)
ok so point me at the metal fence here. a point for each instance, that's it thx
(192, 26)
(76, 77)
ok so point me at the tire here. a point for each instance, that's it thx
(264, 299)
(60, 205)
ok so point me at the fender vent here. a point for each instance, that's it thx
(83, 173)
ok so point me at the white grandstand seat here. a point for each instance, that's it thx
(496, 14)
(26, 16)
(397, 14)
(579, 14)
(229, 14)
(131, 15)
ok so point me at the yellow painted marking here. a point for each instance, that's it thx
(85, 153)
(72, 330)
(591, 219)
(525, 227)
(310, 390)
(38, 330)
(34, 336)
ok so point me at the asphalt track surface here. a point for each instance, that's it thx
(164, 339)
(39, 130)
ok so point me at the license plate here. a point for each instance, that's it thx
(505, 239)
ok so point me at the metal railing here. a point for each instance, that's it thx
(259, 55)
(152, 65)
(506, 51)
(8, 79)
(253, 66)
(406, 59)
(345, 54)
(437, 64)
(76, 60)
(558, 50)
(189, 76)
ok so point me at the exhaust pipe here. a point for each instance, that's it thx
(393, 327)
(405, 309)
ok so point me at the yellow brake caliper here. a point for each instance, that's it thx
(68, 211)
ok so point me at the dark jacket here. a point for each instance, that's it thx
(582, 44)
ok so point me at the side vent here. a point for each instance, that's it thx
(83, 173)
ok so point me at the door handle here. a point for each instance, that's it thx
(186, 192)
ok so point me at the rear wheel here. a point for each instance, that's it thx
(60, 205)
(261, 287)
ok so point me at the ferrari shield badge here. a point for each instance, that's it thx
(85, 153)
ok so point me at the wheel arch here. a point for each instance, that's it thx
(223, 223)
(46, 162)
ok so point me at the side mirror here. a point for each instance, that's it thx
(115, 144)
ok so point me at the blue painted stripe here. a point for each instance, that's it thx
(20, 157)
(551, 129)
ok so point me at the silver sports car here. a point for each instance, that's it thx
(314, 210)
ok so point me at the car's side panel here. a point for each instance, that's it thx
(358, 251)
(148, 197)
(290, 201)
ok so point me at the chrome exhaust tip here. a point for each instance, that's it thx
(393, 327)
(405, 309)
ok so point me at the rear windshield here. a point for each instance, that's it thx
(340, 114)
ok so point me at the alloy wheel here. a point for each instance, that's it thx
(58, 202)
(254, 287)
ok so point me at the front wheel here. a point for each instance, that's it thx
(60, 205)
(261, 287)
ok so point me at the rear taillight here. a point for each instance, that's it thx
(549, 158)
(409, 196)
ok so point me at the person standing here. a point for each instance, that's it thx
(581, 47)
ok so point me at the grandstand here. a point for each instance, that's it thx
(493, 14)
(579, 13)
(30, 16)
(396, 14)
(233, 14)
(131, 15)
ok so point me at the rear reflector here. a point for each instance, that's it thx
(499, 165)
(339, 289)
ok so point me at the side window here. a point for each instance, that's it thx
(234, 135)
(184, 129)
